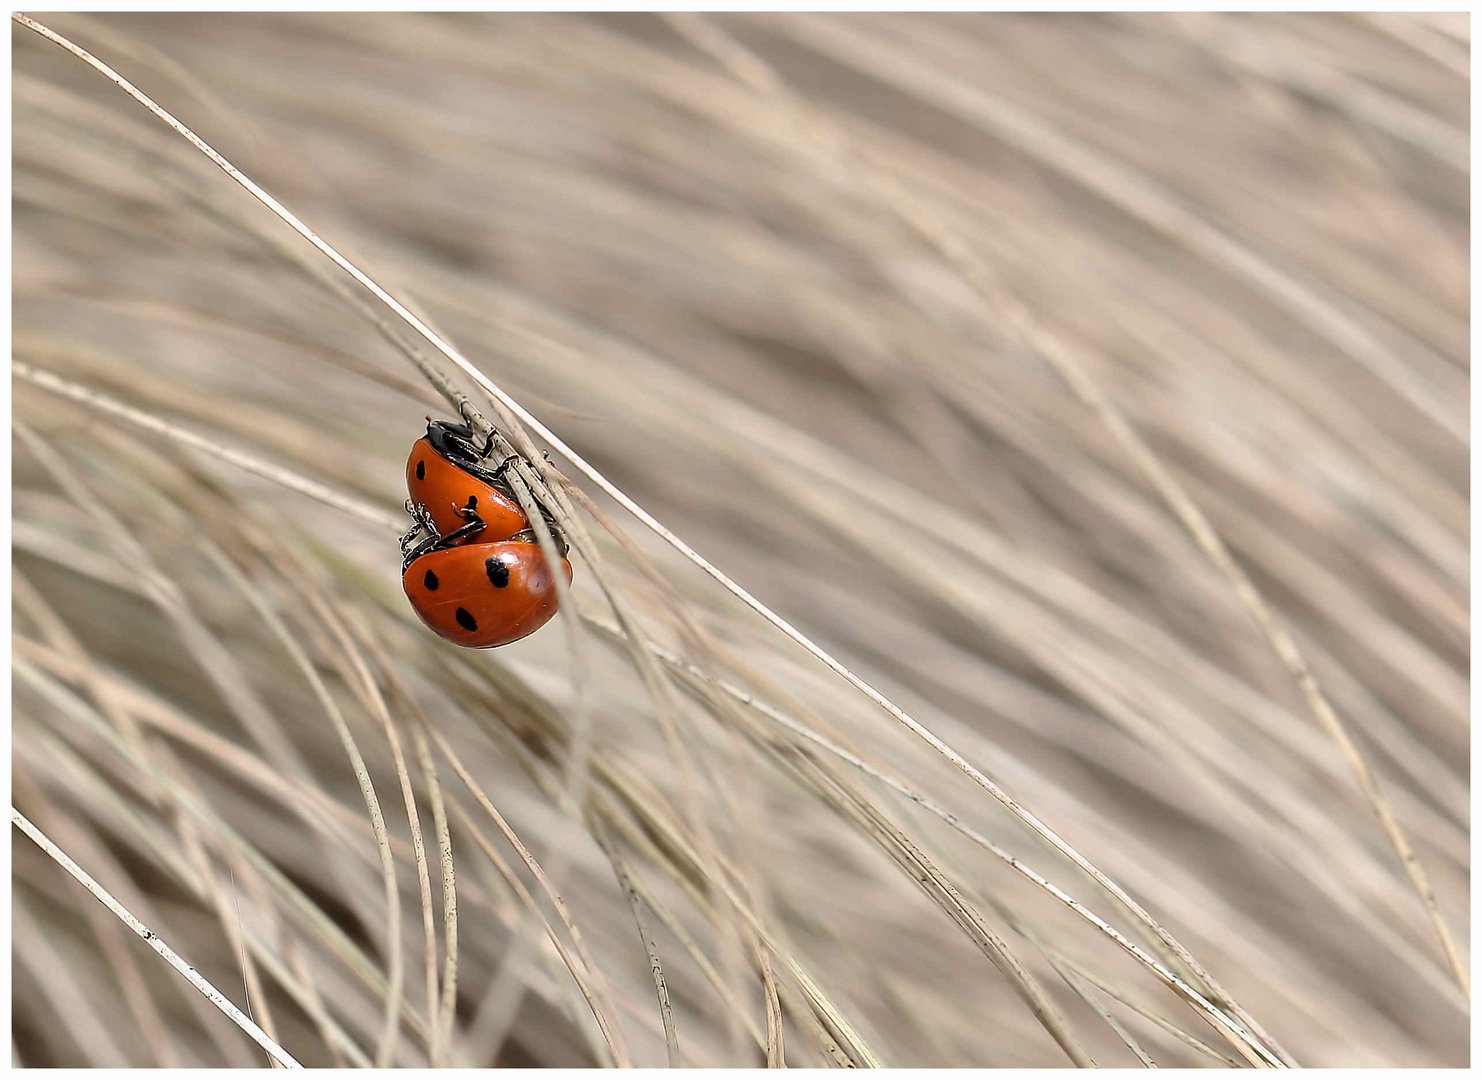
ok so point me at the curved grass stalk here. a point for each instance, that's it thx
(497, 394)
(165, 848)
(593, 986)
(655, 966)
(880, 188)
(1211, 1012)
(443, 1014)
(370, 694)
(386, 1045)
(1143, 201)
(171, 957)
(685, 670)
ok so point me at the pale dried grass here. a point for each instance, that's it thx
(1017, 361)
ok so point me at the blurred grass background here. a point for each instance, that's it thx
(805, 287)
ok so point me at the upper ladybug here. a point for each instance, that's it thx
(448, 480)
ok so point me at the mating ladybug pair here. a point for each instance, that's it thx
(471, 565)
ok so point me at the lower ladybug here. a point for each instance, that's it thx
(452, 487)
(481, 595)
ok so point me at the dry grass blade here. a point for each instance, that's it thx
(587, 974)
(66, 997)
(574, 963)
(154, 941)
(49, 380)
(977, 274)
(437, 342)
(390, 1030)
(446, 989)
(697, 677)
(370, 694)
(661, 987)
(1101, 440)
(689, 672)
(909, 722)
(1158, 209)
(164, 848)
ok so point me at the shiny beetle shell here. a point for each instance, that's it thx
(482, 595)
(443, 488)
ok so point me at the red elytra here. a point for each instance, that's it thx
(445, 489)
(482, 595)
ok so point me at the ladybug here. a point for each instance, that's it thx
(482, 595)
(452, 488)
(478, 577)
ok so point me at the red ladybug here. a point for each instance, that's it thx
(476, 576)
(451, 485)
(483, 595)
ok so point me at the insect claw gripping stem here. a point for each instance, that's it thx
(474, 524)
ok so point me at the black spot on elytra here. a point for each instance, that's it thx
(429, 579)
(473, 502)
(465, 620)
(421, 470)
(497, 571)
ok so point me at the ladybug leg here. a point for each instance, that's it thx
(471, 527)
(431, 543)
(408, 554)
(421, 523)
(421, 520)
(472, 523)
(460, 533)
